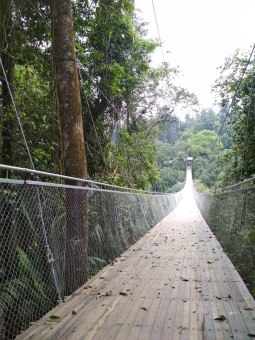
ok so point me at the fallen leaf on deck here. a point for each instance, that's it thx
(123, 293)
(54, 317)
(221, 318)
(183, 279)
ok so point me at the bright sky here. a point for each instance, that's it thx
(200, 34)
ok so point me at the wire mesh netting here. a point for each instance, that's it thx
(231, 216)
(53, 238)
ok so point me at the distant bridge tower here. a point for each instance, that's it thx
(189, 163)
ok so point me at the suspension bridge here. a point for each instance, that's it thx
(174, 282)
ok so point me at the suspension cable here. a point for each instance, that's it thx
(161, 47)
(159, 36)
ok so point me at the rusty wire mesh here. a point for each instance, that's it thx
(54, 237)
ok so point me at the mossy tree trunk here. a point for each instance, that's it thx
(72, 135)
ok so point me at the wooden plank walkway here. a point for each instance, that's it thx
(175, 283)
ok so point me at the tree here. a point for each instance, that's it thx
(70, 108)
(202, 143)
(26, 49)
(116, 58)
(205, 120)
(201, 146)
(134, 160)
(192, 139)
(236, 85)
(73, 149)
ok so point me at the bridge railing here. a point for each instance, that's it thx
(230, 213)
(54, 237)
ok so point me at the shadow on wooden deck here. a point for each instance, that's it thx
(175, 283)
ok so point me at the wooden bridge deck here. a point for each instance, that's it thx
(175, 283)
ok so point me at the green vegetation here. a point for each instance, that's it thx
(132, 134)
(195, 137)
(236, 86)
(133, 137)
(124, 101)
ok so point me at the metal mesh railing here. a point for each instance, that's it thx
(54, 237)
(231, 216)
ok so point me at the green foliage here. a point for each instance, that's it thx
(27, 51)
(170, 178)
(34, 103)
(119, 91)
(112, 46)
(201, 187)
(194, 137)
(241, 118)
(202, 144)
(29, 293)
(205, 120)
(134, 160)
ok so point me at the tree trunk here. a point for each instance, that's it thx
(68, 90)
(73, 148)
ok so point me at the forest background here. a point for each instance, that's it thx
(133, 135)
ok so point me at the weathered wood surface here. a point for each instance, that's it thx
(172, 284)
